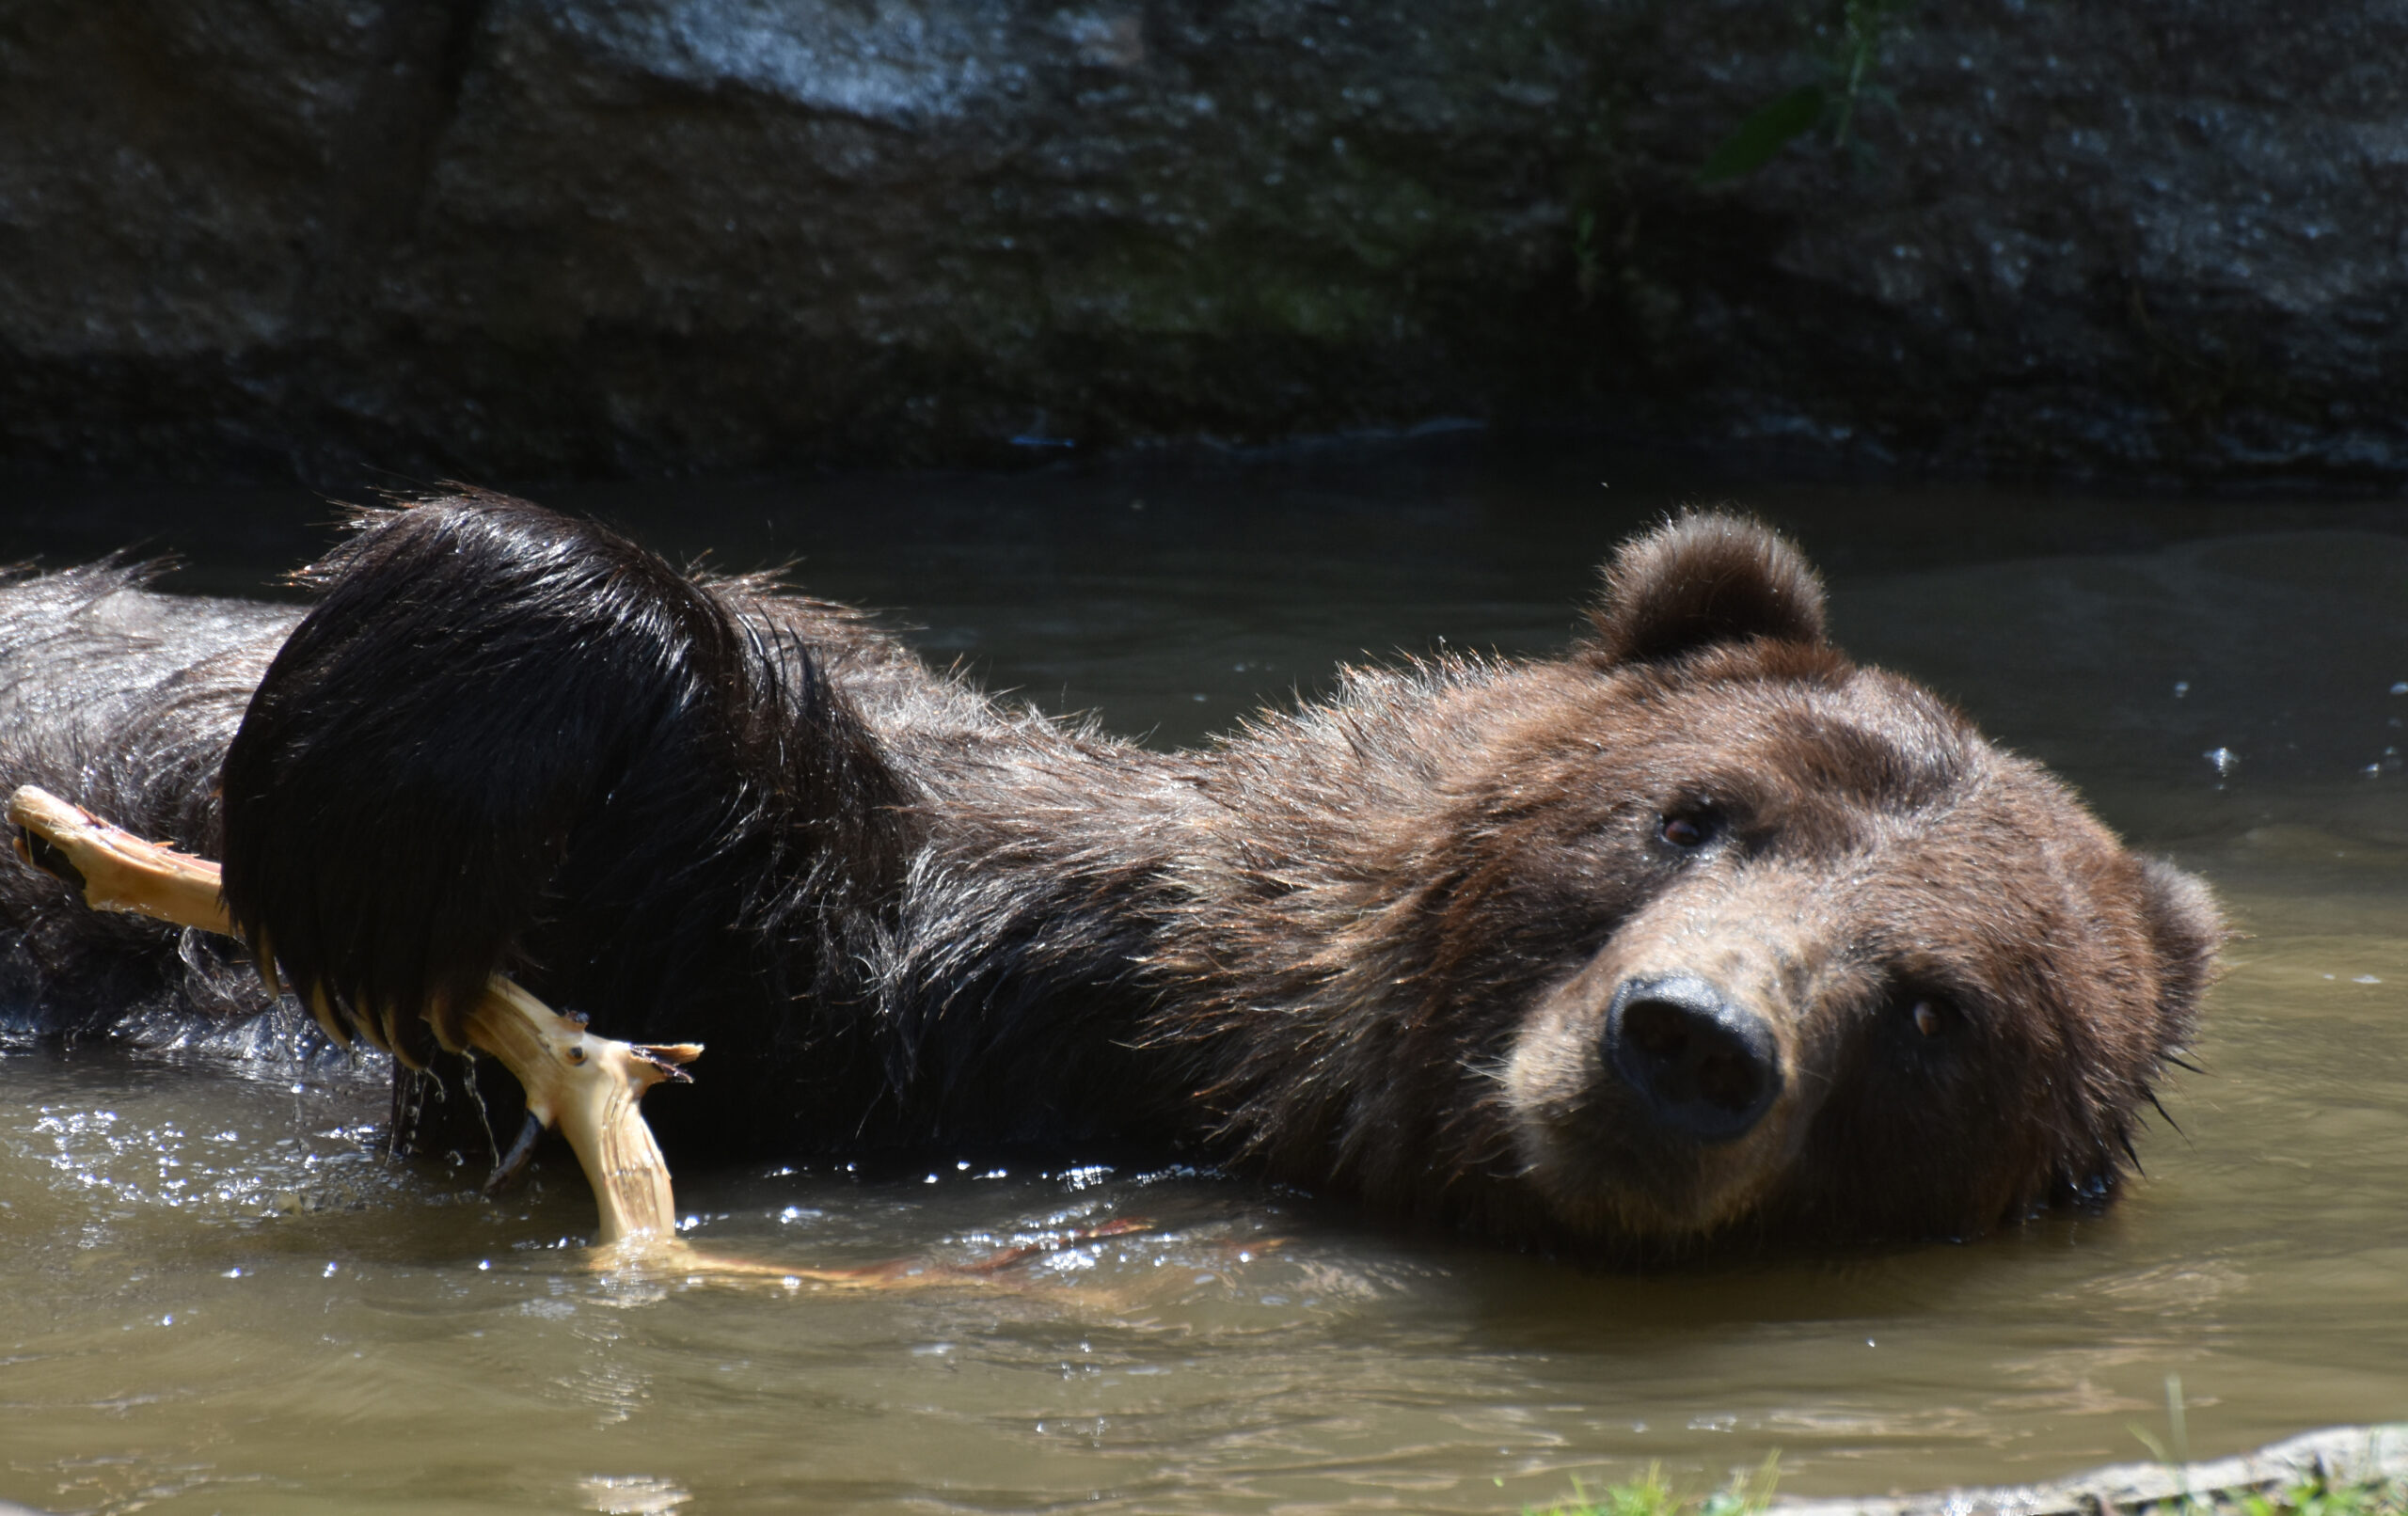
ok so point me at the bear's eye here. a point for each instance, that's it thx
(1689, 827)
(1932, 1015)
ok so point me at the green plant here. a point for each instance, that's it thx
(1847, 64)
(2320, 1496)
(1588, 267)
(2176, 1450)
(2176, 1447)
(1650, 1495)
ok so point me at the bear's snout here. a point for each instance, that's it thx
(1706, 1067)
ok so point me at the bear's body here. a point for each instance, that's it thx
(1699, 931)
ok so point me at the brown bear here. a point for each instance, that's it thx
(1698, 935)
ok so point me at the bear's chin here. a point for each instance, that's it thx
(1675, 1205)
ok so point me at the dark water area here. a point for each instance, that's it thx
(219, 1297)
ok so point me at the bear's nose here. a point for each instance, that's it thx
(1707, 1068)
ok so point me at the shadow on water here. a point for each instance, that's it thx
(218, 1297)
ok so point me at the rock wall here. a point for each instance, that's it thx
(503, 238)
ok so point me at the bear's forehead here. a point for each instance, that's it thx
(1870, 711)
(1863, 735)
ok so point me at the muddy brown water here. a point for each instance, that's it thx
(215, 1295)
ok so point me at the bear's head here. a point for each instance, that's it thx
(1825, 962)
(1700, 933)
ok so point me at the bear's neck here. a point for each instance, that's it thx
(1135, 934)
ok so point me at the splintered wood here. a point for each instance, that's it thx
(588, 1086)
(114, 869)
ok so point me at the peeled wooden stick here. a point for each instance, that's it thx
(586, 1085)
(114, 869)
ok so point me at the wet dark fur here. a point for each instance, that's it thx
(1363, 945)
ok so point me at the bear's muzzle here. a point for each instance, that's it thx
(1704, 1065)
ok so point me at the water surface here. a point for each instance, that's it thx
(218, 1297)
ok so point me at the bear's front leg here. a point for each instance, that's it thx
(588, 1086)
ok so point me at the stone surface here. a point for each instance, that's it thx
(504, 238)
(2343, 1455)
(2162, 237)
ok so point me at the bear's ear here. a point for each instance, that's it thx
(2187, 929)
(1700, 578)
